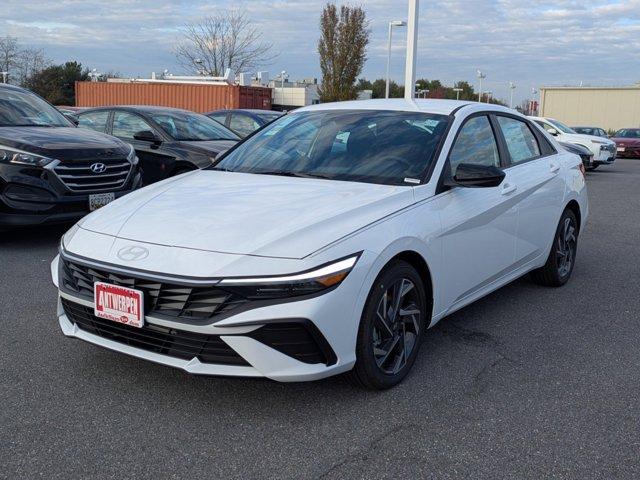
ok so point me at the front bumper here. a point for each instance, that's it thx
(30, 196)
(606, 155)
(326, 316)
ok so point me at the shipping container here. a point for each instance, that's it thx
(190, 96)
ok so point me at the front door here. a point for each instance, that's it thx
(479, 224)
(155, 164)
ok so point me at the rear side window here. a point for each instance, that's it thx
(475, 144)
(94, 120)
(521, 142)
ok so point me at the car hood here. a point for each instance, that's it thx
(64, 143)
(209, 146)
(247, 214)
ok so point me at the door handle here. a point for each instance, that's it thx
(554, 168)
(507, 188)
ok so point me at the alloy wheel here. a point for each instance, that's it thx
(396, 326)
(566, 247)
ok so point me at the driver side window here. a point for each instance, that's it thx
(126, 125)
(475, 144)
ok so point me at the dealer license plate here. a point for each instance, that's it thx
(99, 200)
(118, 304)
(620, 149)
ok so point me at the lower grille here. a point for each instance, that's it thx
(79, 177)
(301, 340)
(156, 339)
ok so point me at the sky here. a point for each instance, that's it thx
(531, 43)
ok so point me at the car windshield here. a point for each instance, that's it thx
(628, 133)
(386, 147)
(19, 108)
(561, 126)
(191, 126)
(585, 130)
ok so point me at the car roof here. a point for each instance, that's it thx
(139, 108)
(8, 86)
(429, 105)
(255, 111)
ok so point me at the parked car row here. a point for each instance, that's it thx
(51, 171)
(627, 140)
(603, 150)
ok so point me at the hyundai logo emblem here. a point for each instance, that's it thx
(132, 253)
(98, 168)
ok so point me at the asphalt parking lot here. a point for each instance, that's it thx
(527, 383)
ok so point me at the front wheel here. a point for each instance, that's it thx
(557, 271)
(391, 328)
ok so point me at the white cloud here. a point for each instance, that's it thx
(535, 42)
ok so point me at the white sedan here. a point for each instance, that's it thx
(328, 242)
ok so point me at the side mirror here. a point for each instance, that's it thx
(147, 136)
(553, 131)
(476, 176)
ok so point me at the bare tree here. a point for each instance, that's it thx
(30, 61)
(225, 40)
(342, 47)
(9, 52)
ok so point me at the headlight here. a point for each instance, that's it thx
(13, 155)
(132, 155)
(312, 281)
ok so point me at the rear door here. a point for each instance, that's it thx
(535, 167)
(155, 162)
(479, 224)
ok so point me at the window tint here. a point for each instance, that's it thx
(521, 142)
(94, 120)
(242, 124)
(126, 124)
(475, 144)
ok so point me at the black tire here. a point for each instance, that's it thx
(562, 257)
(376, 368)
(592, 168)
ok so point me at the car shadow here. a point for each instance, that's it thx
(24, 238)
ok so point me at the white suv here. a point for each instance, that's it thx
(603, 149)
(327, 242)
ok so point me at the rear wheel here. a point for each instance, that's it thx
(391, 329)
(557, 271)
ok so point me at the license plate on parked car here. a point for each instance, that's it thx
(621, 149)
(118, 304)
(99, 200)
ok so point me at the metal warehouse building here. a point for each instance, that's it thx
(611, 108)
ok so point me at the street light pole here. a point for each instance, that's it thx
(512, 87)
(394, 23)
(480, 77)
(412, 41)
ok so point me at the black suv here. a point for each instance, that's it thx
(168, 141)
(51, 171)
